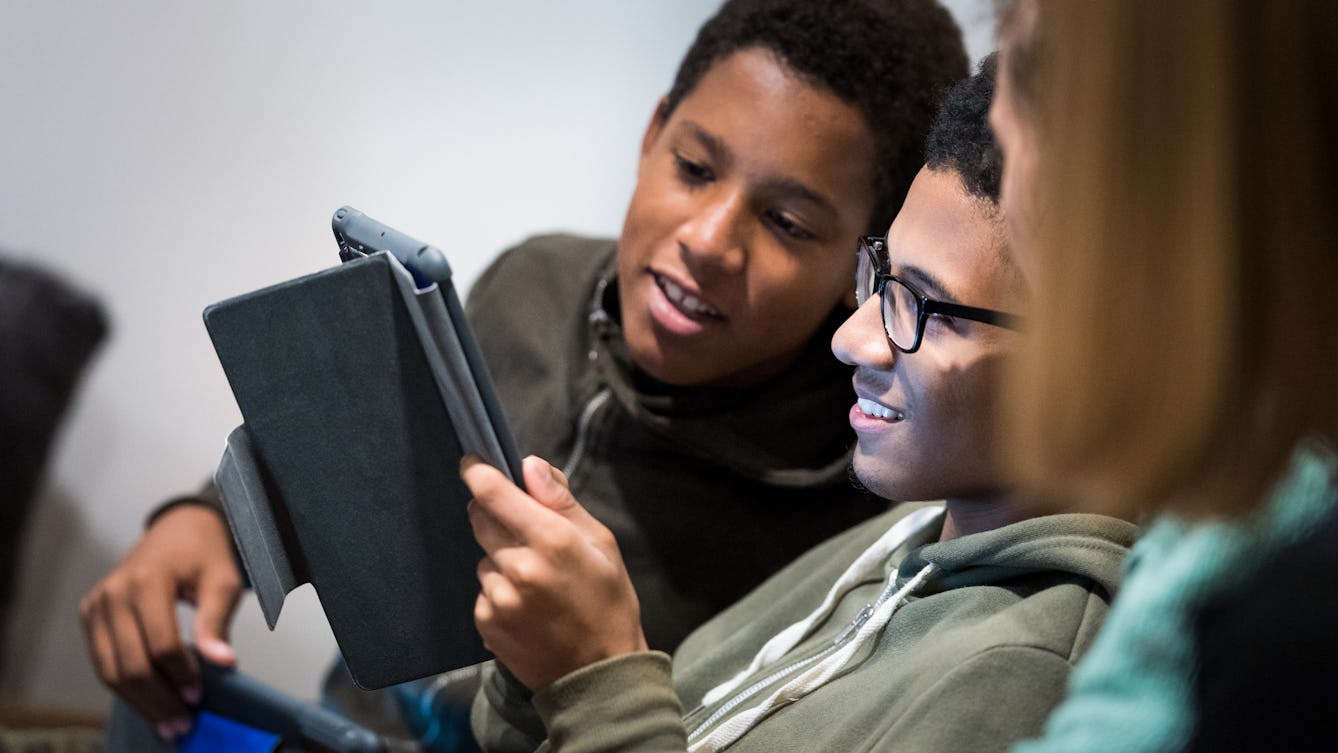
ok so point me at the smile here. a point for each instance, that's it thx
(686, 302)
(877, 410)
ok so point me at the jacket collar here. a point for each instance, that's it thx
(753, 431)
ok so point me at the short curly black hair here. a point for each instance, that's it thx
(891, 59)
(962, 140)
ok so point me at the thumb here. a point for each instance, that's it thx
(547, 485)
(217, 601)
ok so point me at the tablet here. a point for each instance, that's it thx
(361, 388)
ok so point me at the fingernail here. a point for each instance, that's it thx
(191, 695)
(220, 652)
(165, 731)
(181, 726)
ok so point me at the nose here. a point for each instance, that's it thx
(861, 340)
(712, 236)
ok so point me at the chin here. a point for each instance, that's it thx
(652, 362)
(865, 473)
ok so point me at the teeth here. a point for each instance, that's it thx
(690, 303)
(870, 408)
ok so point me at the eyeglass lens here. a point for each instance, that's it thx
(866, 279)
(900, 306)
(901, 314)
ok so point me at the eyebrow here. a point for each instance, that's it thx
(782, 183)
(927, 283)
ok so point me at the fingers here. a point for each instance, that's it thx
(494, 587)
(130, 619)
(125, 663)
(167, 653)
(217, 602)
(559, 476)
(97, 638)
(509, 507)
(489, 532)
(547, 484)
(504, 516)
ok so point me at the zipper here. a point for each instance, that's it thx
(841, 639)
(583, 430)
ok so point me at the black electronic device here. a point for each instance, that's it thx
(361, 388)
(237, 711)
(242, 698)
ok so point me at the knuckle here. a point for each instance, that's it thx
(557, 540)
(108, 674)
(505, 602)
(117, 589)
(134, 675)
(166, 652)
(227, 579)
(606, 539)
(86, 607)
(527, 573)
(483, 612)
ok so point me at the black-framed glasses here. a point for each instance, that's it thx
(905, 309)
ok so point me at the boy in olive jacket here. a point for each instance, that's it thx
(941, 627)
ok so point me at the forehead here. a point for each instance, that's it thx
(954, 238)
(777, 124)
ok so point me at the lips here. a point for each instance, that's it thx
(687, 301)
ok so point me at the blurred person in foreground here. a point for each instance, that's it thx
(1170, 177)
(937, 627)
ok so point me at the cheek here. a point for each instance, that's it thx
(941, 400)
(657, 205)
(639, 221)
(967, 414)
(797, 297)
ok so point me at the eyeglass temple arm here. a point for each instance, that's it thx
(988, 316)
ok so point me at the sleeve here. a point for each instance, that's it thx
(207, 496)
(622, 704)
(503, 717)
(625, 704)
(984, 705)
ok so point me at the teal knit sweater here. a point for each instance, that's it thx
(1133, 692)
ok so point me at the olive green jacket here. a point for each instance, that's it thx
(974, 659)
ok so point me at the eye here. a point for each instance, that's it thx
(787, 225)
(943, 320)
(692, 173)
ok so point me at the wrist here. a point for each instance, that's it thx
(184, 501)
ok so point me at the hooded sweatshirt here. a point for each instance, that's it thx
(709, 491)
(961, 645)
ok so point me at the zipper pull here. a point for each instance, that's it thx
(855, 624)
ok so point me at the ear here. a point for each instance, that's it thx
(655, 126)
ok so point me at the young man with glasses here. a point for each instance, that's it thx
(935, 627)
(680, 373)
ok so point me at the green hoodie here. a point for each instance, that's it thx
(973, 659)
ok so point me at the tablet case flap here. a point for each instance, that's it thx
(352, 480)
(259, 526)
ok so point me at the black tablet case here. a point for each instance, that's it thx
(345, 473)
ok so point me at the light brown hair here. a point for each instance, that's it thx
(1184, 329)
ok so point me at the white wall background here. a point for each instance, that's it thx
(165, 155)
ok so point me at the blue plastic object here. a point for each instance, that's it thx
(216, 734)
